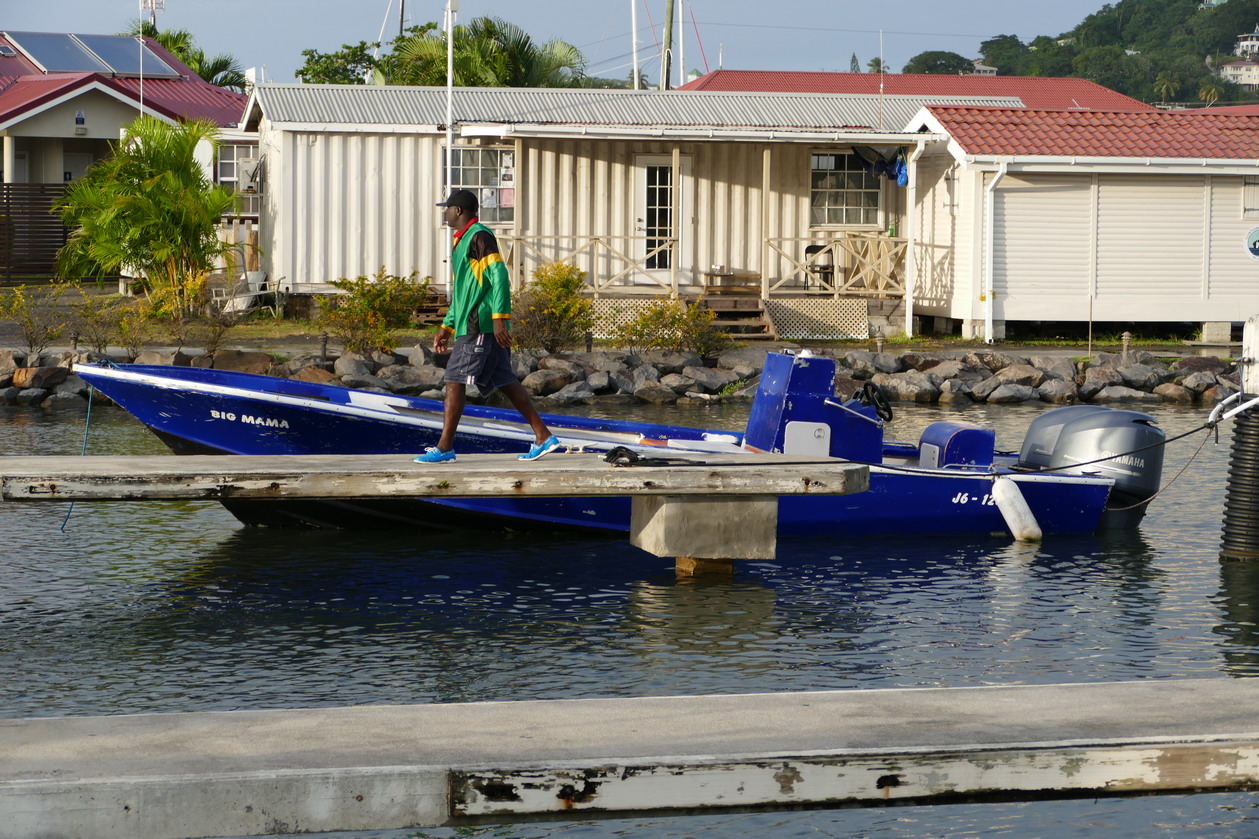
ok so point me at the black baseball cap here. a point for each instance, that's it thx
(461, 198)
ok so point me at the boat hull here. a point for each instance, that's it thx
(200, 412)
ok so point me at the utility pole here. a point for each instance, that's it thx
(666, 60)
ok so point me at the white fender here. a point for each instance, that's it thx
(1013, 506)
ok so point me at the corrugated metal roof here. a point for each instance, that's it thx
(1044, 93)
(393, 106)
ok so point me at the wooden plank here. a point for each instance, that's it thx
(210, 477)
(161, 776)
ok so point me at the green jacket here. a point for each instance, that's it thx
(480, 289)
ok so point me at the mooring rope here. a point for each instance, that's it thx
(87, 425)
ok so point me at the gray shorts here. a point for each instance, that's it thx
(479, 360)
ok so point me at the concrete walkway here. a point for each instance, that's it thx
(384, 767)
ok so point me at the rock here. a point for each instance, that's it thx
(39, 377)
(10, 360)
(6, 379)
(352, 364)
(366, 382)
(751, 358)
(605, 361)
(710, 379)
(655, 393)
(243, 362)
(982, 390)
(1097, 379)
(171, 358)
(412, 381)
(1059, 392)
(846, 387)
(1140, 376)
(601, 382)
(575, 393)
(631, 380)
(992, 360)
(387, 359)
(73, 385)
(1020, 374)
(1199, 382)
(314, 375)
(8, 395)
(546, 382)
(421, 355)
(671, 362)
(1174, 393)
(31, 395)
(65, 399)
(574, 369)
(1054, 366)
(697, 398)
(1218, 393)
(956, 390)
(1200, 364)
(676, 382)
(1121, 393)
(302, 362)
(1010, 392)
(941, 371)
(866, 365)
(910, 386)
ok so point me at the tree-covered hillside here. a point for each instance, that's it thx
(1154, 50)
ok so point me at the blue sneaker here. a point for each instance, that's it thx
(435, 455)
(547, 446)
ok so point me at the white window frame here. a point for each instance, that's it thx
(1250, 197)
(490, 173)
(839, 192)
(225, 174)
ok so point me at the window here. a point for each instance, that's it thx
(1250, 197)
(228, 174)
(491, 175)
(842, 192)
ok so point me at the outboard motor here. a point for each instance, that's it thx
(1081, 434)
(795, 411)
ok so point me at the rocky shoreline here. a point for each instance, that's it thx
(948, 376)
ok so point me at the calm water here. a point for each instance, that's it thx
(176, 607)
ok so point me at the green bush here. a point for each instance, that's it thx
(366, 316)
(34, 310)
(551, 313)
(670, 324)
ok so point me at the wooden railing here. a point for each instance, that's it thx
(847, 265)
(607, 260)
(844, 265)
(30, 235)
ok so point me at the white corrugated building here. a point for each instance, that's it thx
(1092, 216)
(351, 175)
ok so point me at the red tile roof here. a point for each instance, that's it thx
(23, 88)
(1146, 134)
(1036, 92)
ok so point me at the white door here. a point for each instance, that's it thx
(654, 193)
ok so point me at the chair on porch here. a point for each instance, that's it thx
(822, 268)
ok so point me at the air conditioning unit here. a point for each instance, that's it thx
(249, 175)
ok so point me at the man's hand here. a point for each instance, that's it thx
(441, 341)
(501, 333)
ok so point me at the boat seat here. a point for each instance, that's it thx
(956, 444)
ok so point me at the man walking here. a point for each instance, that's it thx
(479, 320)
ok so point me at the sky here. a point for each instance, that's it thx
(736, 34)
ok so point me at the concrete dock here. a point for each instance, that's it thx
(159, 776)
(215, 477)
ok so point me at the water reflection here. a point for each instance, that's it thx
(1238, 600)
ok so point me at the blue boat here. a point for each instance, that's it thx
(1080, 468)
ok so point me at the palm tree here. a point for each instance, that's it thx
(221, 71)
(877, 65)
(1209, 92)
(488, 52)
(1165, 86)
(148, 206)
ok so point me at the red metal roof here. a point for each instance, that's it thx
(23, 88)
(1036, 92)
(1144, 134)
